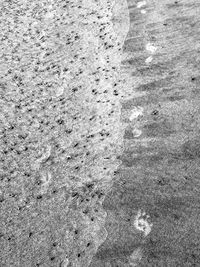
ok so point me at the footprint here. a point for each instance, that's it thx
(141, 224)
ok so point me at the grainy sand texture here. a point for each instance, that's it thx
(61, 128)
(99, 133)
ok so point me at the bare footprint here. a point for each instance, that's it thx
(141, 223)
